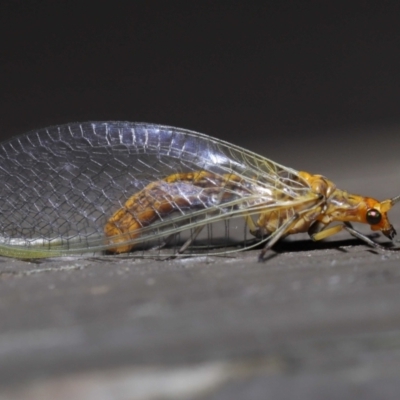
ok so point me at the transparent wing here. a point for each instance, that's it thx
(61, 185)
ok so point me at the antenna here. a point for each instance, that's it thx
(395, 200)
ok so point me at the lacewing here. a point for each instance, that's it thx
(153, 190)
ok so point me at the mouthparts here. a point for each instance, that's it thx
(390, 233)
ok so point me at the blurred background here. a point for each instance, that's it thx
(312, 85)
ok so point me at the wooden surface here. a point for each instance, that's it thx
(307, 321)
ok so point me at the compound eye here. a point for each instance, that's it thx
(373, 216)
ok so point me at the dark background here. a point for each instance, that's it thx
(286, 75)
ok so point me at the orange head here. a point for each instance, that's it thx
(376, 215)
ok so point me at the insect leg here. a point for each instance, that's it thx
(324, 233)
(188, 242)
(362, 237)
(253, 228)
(274, 237)
(192, 238)
(317, 231)
(166, 241)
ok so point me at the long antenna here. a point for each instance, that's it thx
(395, 200)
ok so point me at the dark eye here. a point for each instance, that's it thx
(373, 216)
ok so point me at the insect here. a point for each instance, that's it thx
(136, 187)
